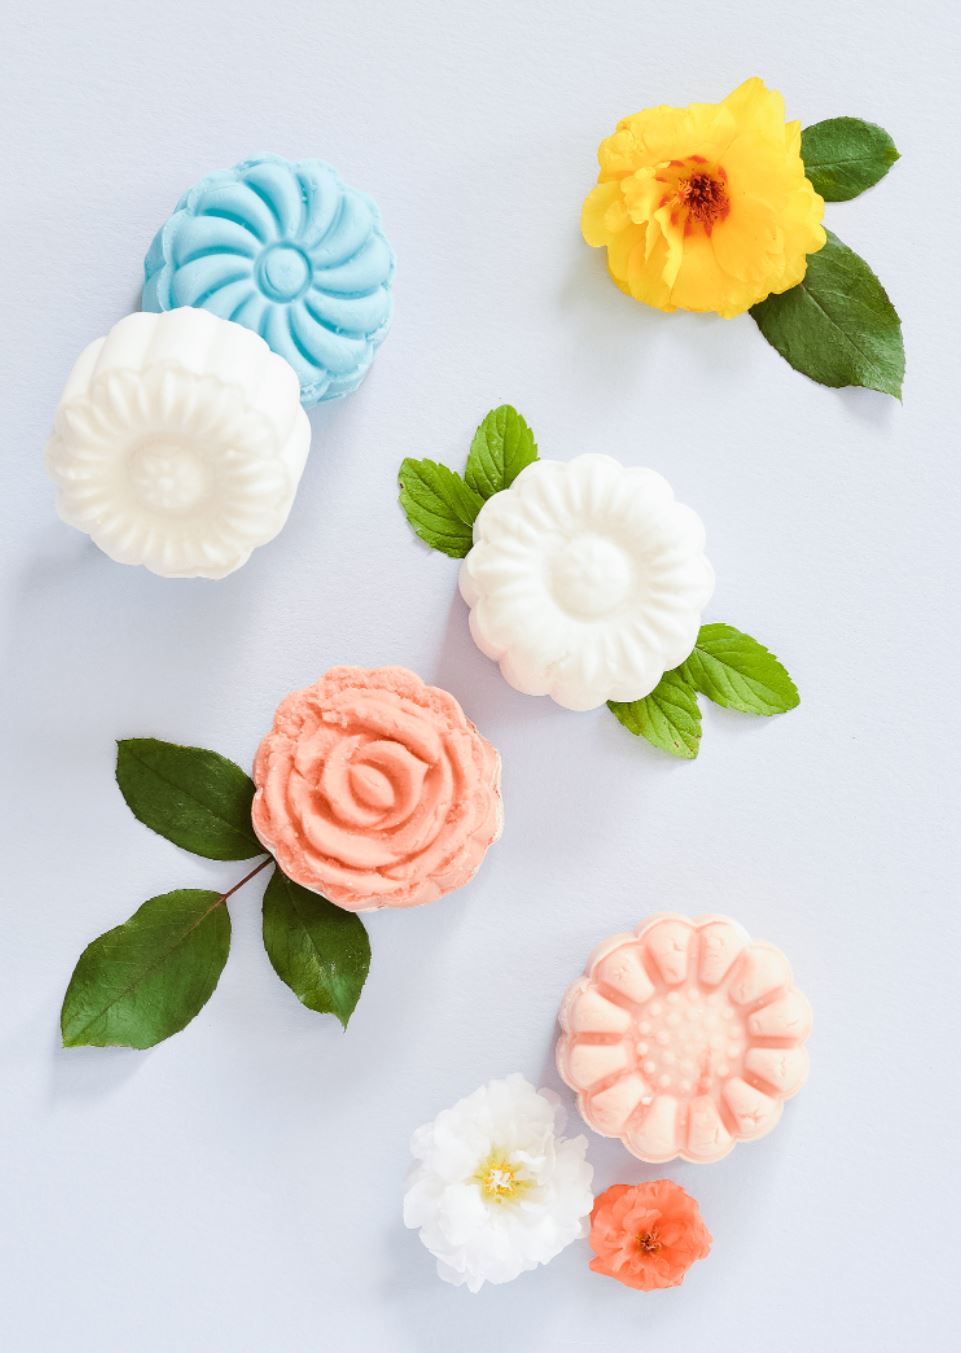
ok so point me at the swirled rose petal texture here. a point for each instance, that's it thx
(684, 1038)
(586, 580)
(376, 790)
(289, 250)
(178, 443)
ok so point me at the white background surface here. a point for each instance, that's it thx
(239, 1187)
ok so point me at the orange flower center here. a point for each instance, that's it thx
(696, 193)
(648, 1242)
(705, 197)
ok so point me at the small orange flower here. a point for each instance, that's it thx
(647, 1235)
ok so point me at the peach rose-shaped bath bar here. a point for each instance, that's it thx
(376, 790)
(684, 1038)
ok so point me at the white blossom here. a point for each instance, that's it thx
(496, 1190)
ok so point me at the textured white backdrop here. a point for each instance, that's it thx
(239, 1187)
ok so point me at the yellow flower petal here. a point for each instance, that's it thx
(598, 202)
(753, 103)
(642, 194)
(700, 276)
(646, 273)
(621, 248)
(618, 155)
(749, 245)
(673, 237)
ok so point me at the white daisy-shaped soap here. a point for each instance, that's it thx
(586, 580)
(178, 443)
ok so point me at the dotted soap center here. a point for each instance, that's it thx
(686, 1041)
(167, 477)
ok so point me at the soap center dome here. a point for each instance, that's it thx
(687, 1041)
(591, 576)
(284, 272)
(168, 476)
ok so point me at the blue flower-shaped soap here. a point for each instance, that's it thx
(290, 251)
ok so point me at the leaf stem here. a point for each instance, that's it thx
(246, 879)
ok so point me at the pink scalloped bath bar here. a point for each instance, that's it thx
(684, 1038)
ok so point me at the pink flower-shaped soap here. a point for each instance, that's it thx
(684, 1038)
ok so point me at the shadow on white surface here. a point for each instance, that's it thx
(91, 1073)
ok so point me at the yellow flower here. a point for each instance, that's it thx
(706, 207)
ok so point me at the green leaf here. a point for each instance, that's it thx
(734, 670)
(669, 717)
(144, 980)
(844, 155)
(439, 505)
(321, 951)
(195, 798)
(837, 326)
(502, 446)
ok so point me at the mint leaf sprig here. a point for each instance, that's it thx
(148, 978)
(441, 505)
(670, 717)
(727, 666)
(838, 324)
